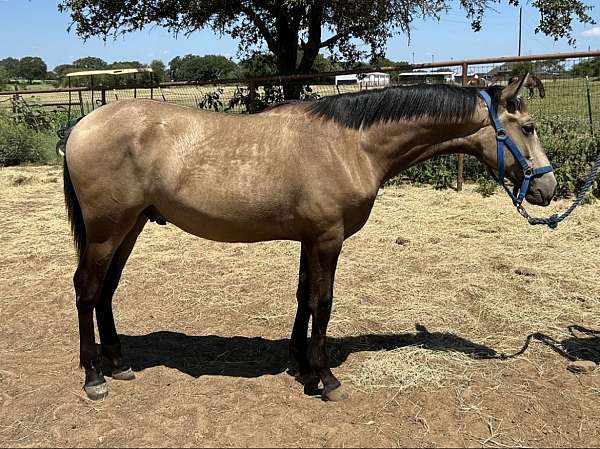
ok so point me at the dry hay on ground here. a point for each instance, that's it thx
(415, 330)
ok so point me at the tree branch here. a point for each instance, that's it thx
(261, 25)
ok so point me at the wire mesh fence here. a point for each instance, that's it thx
(557, 88)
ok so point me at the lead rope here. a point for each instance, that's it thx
(553, 221)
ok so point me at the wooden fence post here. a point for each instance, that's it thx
(252, 102)
(460, 178)
(15, 99)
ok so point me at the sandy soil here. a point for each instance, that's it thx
(417, 330)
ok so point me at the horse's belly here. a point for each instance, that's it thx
(227, 222)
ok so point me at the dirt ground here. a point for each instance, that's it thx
(429, 295)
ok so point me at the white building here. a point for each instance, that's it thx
(364, 79)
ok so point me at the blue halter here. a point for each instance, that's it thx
(504, 140)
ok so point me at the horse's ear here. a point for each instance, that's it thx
(512, 91)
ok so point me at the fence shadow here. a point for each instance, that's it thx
(256, 356)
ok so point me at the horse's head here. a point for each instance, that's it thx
(513, 150)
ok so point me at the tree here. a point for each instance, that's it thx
(258, 65)
(521, 68)
(285, 27)
(90, 63)
(31, 68)
(62, 69)
(4, 77)
(125, 65)
(159, 69)
(549, 67)
(11, 65)
(202, 68)
(587, 67)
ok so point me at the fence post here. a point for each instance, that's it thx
(103, 95)
(252, 103)
(15, 99)
(589, 104)
(460, 177)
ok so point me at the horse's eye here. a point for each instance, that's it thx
(528, 129)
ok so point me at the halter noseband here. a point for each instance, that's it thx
(503, 140)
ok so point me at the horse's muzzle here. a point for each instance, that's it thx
(542, 190)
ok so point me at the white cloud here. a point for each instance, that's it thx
(592, 32)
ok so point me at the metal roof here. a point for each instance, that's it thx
(110, 72)
(425, 73)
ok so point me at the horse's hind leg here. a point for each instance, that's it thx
(299, 341)
(88, 280)
(109, 340)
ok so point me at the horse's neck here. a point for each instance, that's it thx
(396, 146)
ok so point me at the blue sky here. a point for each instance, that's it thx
(36, 28)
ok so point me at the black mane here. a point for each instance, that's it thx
(441, 102)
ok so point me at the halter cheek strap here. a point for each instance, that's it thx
(504, 141)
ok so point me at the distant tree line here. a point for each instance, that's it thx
(216, 67)
(182, 68)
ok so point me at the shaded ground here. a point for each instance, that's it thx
(418, 331)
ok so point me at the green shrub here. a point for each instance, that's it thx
(486, 186)
(572, 149)
(21, 144)
(34, 115)
(18, 144)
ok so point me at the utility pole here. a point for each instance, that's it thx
(413, 58)
(520, 26)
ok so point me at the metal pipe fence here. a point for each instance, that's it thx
(560, 89)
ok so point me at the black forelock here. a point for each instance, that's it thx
(440, 102)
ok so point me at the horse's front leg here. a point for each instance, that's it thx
(322, 262)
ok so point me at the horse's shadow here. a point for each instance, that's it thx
(256, 356)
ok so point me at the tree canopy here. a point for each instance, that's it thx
(90, 63)
(159, 69)
(202, 68)
(289, 28)
(587, 67)
(32, 68)
(11, 65)
(4, 77)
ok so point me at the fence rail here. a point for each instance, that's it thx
(561, 90)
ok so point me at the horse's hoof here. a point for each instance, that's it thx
(126, 374)
(96, 392)
(311, 383)
(338, 394)
(312, 389)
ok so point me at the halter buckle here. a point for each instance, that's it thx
(522, 211)
(528, 172)
(501, 135)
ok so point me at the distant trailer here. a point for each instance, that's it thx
(427, 78)
(364, 79)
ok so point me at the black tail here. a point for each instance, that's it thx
(74, 212)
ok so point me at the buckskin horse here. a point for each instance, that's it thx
(307, 172)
